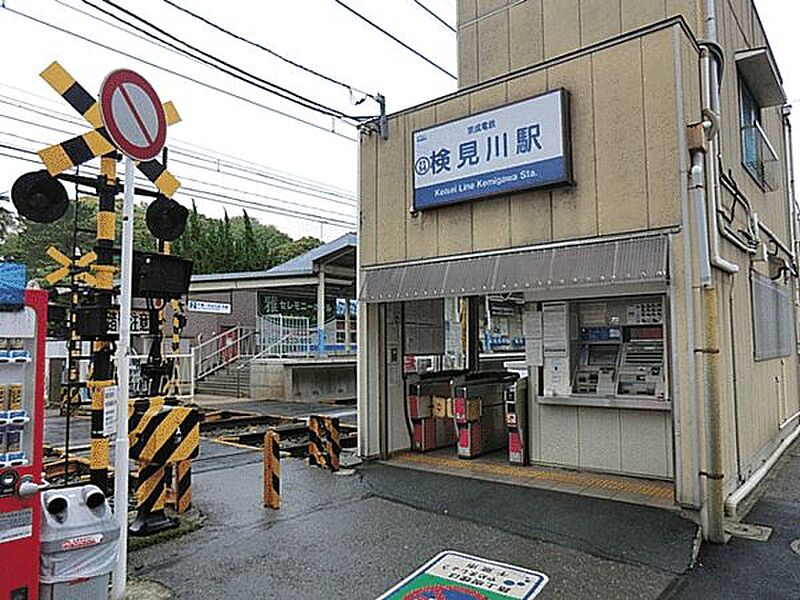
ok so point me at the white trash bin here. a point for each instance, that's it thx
(79, 544)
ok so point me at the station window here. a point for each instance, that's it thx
(605, 348)
(758, 155)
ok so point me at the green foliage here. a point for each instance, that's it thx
(214, 245)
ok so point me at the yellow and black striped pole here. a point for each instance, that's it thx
(103, 270)
(183, 486)
(316, 450)
(333, 448)
(272, 470)
(151, 499)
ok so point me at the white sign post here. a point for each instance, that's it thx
(134, 118)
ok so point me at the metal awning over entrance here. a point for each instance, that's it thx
(618, 264)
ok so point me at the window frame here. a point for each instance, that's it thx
(750, 119)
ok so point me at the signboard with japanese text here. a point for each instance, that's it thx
(455, 576)
(520, 146)
(205, 306)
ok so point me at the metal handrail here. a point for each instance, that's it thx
(203, 365)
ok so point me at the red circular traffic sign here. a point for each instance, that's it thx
(132, 114)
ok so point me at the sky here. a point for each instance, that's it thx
(231, 145)
(320, 34)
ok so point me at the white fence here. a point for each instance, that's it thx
(282, 336)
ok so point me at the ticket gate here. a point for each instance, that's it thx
(478, 410)
(516, 403)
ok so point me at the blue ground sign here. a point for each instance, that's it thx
(455, 576)
(519, 146)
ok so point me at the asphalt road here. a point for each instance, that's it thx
(353, 537)
(750, 569)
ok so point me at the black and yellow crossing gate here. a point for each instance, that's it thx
(163, 440)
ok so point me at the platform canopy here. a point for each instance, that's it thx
(297, 277)
(638, 264)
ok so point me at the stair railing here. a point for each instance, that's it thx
(220, 351)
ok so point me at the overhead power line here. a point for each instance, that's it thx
(333, 213)
(223, 65)
(431, 13)
(54, 27)
(184, 148)
(214, 164)
(212, 196)
(250, 42)
(208, 183)
(396, 39)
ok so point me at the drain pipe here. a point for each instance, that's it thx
(714, 530)
(711, 58)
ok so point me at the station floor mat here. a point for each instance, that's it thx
(493, 467)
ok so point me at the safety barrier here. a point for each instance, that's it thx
(163, 440)
(272, 470)
(324, 442)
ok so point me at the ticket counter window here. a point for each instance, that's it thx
(616, 350)
(619, 348)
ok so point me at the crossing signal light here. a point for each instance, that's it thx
(40, 197)
(166, 219)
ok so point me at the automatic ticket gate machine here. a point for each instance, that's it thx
(478, 410)
(516, 404)
(22, 346)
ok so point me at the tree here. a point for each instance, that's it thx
(214, 245)
(288, 250)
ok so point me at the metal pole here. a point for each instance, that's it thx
(123, 372)
(321, 313)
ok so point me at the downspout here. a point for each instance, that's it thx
(714, 505)
(703, 136)
(711, 57)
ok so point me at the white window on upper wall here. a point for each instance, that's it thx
(760, 89)
(772, 318)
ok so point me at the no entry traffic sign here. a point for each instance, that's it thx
(133, 115)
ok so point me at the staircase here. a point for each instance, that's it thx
(224, 383)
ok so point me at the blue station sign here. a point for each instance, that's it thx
(520, 146)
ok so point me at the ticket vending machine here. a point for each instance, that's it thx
(22, 346)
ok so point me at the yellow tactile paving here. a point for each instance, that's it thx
(648, 489)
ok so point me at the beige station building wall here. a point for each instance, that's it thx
(633, 72)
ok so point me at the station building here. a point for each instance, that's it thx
(590, 245)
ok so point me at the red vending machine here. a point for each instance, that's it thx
(22, 345)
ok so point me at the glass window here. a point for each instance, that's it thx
(750, 118)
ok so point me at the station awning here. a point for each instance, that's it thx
(623, 263)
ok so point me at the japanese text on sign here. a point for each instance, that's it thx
(519, 146)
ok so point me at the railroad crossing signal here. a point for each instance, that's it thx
(67, 265)
(98, 142)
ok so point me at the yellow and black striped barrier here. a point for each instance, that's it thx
(316, 448)
(163, 439)
(165, 435)
(324, 446)
(332, 441)
(272, 470)
(183, 486)
(151, 500)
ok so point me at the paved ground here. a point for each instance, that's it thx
(750, 569)
(55, 429)
(342, 536)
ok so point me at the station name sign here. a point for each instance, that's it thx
(203, 306)
(520, 146)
